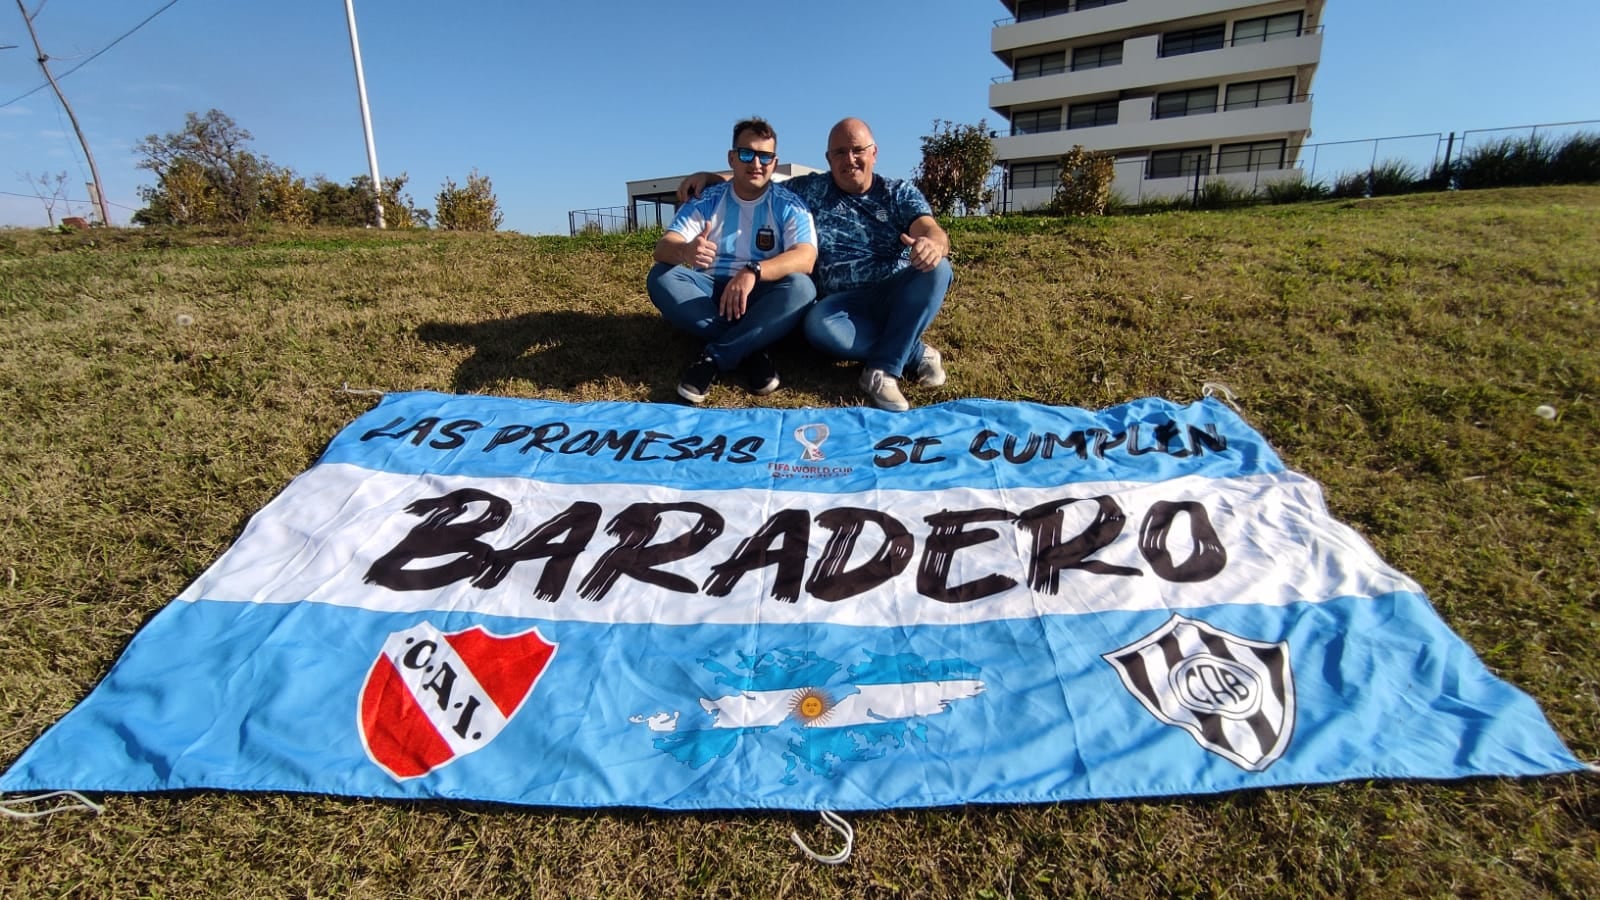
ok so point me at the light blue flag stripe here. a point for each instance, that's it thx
(981, 443)
(267, 698)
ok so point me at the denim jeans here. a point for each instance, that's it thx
(687, 299)
(880, 324)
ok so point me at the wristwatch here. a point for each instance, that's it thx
(755, 268)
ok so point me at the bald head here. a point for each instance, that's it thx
(852, 153)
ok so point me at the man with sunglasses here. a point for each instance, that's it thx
(882, 270)
(731, 269)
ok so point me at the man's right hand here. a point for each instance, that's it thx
(701, 252)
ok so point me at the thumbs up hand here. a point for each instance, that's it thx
(702, 251)
(925, 251)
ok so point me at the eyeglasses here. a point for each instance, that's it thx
(842, 152)
(748, 155)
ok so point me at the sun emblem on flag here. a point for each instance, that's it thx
(811, 707)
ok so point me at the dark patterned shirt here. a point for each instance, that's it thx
(858, 235)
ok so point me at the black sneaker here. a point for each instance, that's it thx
(696, 381)
(760, 375)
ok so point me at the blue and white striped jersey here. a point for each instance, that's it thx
(746, 230)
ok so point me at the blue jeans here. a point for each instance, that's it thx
(687, 299)
(880, 324)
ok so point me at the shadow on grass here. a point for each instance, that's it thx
(558, 350)
(562, 350)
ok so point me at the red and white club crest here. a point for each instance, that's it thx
(431, 697)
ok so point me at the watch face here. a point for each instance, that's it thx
(766, 239)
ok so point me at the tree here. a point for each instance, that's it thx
(285, 199)
(51, 190)
(470, 208)
(204, 173)
(335, 204)
(955, 168)
(350, 205)
(398, 209)
(207, 175)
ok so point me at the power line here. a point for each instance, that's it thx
(84, 202)
(169, 4)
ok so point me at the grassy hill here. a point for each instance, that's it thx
(157, 388)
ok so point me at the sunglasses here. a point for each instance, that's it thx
(748, 155)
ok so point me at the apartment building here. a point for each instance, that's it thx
(1180, 91)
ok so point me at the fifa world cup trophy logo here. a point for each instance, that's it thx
(811, 437)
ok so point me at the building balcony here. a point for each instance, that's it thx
(1138, 128)
(1079, 24)
(1142, 68)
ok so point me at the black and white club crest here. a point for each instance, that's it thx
(1233, 695)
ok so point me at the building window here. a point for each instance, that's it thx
(1037, 121)
(1097, 56)
(1035, 175)
(1184, 162)
(1186, 103)
(1193, 40)
(1266, 28)
(1091, 4)
(1251, 94)
(1251, 157)
(1038, 66)
(1028, 10)
(1089, 115)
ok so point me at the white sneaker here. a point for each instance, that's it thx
(930, 369)
(884, 390)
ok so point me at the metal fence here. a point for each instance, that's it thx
(1327, 163)
(605, 220)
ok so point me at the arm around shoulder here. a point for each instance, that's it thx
(689, 188)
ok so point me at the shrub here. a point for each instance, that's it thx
(470, 208)
(1350, 185)
(1085, 188)
(956, 162)
(1509, 162)
(1296, 190)
(1393, 176)
(1218, 193)
(1577, 160)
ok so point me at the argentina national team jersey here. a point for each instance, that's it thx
(860, 233)
(746, 230)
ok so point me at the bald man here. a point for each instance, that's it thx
(882, 268)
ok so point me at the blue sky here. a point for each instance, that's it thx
(561, 104)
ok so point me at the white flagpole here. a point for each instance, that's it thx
(366, 116)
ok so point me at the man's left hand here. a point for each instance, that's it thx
(736, 295)
(925, 251)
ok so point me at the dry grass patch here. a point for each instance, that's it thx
(158, 387)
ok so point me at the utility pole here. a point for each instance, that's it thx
(366, 117)
(44, 64)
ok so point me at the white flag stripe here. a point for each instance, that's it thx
(318, 540)
(870, 703)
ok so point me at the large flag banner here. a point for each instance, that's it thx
(649, 605)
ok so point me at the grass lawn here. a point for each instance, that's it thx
(156, 388)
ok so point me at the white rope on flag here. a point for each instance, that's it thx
(837, 823)
(13, 808)
(1212, 388)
